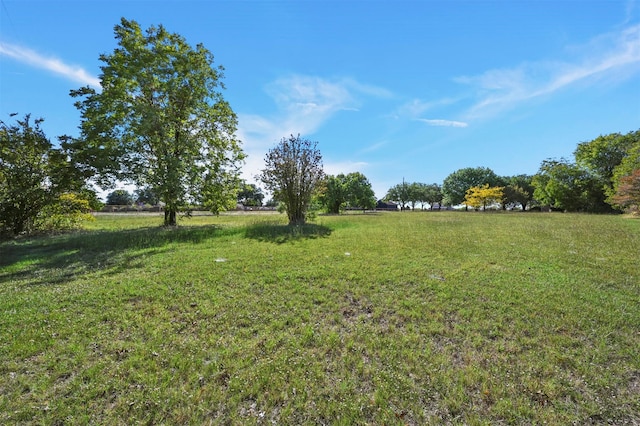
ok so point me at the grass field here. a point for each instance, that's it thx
(392, 318)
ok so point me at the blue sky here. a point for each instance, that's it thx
(393, 89)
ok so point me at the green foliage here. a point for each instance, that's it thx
(455, 186)
(293, 173)
(609, 158)
(603, 154)
(32, 175)
(481, 196)
(430, 194)
(399, 194)
(119, 197)
(92, 198)
(567, 186)
(250, 195)
(628, 192)
(351, 190)
(70, 211)
(518, 190)
(160, 122)
(359, 192)
(415, 192)
(332, 195)
(146, 196)
(422, 319)
(628, 165)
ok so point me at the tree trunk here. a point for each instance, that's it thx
(170, 218)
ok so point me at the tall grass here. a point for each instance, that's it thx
(395, 318)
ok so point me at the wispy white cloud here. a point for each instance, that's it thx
(35, 59)
(610, 56)
(416, 107)
(443, 123)
(335, 168)
(304, 105)
(374, 147)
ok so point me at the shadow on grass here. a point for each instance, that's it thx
(57, 259)
(280, 234)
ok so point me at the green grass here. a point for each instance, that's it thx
(394, 318)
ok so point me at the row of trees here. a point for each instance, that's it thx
(248, 194)
(455, 190)
(602, 178)
(161, 123)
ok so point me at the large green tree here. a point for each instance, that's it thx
(351, 190)
(293, 173)
(333, 196)
(359, 192)
(567, 186)
(517, 190)
(602, 155)
(399, 193)
(160, 121)
(250, 195)
(627, 167)
(455, 186)
(146, 196)
(119, 197)
(432, 194)
(628, 192)
(33, 174)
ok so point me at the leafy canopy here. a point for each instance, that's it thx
(351, 190)
(455, 186)
(292, 173)
(483, 195)
(250, 194)
(567, 186)
(628, 193)
(32, 174)
(160, 122)
(119, 197)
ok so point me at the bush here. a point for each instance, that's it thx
(69, 212)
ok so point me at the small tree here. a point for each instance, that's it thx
(628, 193)
(292, 174)
(481, 196)
(518, 190)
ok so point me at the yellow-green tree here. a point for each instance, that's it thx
(480, 196)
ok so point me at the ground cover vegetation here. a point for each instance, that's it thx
(387, 318)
